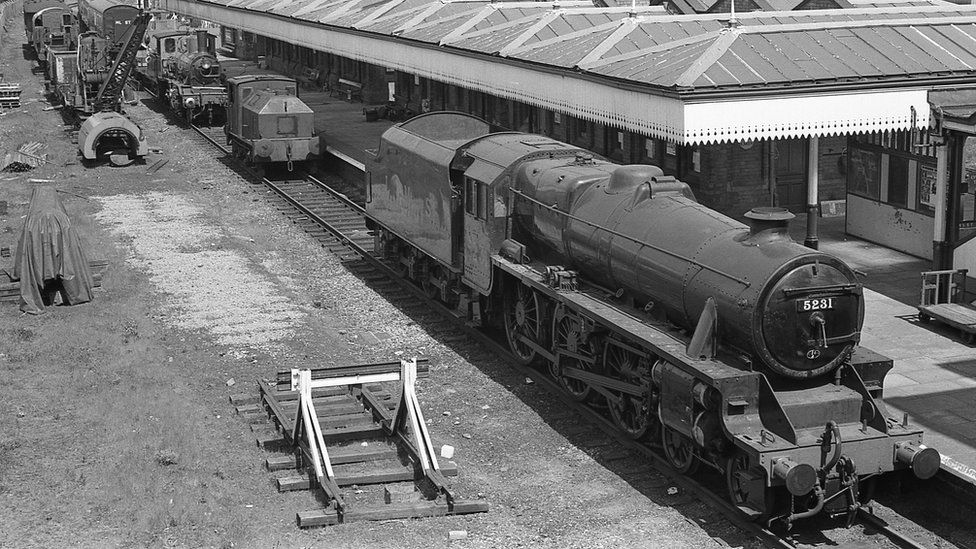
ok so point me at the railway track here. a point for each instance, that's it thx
(339, 224)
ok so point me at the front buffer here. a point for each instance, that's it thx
(110, 133)
(819, 443)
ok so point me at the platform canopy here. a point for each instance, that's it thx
(691, 79)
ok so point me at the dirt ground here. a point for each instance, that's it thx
(115, 421)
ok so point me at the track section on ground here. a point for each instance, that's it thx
(339, 225)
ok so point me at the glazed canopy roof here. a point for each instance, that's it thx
(687, 78)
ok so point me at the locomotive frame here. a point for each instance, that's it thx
(441, 190)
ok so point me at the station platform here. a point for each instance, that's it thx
(934, 374)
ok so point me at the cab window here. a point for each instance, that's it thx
(477, 199)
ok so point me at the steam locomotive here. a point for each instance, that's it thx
(732, 346)
(182, 66)
(267, 123)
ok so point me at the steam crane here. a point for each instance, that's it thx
(107, 129)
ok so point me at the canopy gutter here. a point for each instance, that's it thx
(822, 114)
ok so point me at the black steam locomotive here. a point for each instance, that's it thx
(731, 345)
(182, 67)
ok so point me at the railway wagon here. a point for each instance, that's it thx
(109, 18)
(267, 123)
(731, 345)
(31, 7)
(182, 67)
(62, 69)
(53, 28)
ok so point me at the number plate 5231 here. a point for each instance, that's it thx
(818, 304)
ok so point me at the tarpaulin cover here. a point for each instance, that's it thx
(49, 256)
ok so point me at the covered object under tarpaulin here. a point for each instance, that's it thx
(50, 257)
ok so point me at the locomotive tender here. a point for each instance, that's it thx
(268, 123)
(731, 345)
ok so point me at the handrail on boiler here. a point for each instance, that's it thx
(699, 264)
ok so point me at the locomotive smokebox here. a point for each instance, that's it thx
(770, 217)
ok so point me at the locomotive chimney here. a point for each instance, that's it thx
(768, 217)
(202, 45)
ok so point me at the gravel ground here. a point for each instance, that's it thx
(117, 430)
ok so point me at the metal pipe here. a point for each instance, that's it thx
(834, 431)
(813, 510)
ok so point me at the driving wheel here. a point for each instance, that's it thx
(523, 318)
(630, 413)
(679, 450)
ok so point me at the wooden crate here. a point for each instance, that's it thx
(9, 95)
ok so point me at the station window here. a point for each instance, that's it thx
(894, 168)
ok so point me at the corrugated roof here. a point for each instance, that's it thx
(648, 47)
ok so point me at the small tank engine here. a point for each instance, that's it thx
(196, 68)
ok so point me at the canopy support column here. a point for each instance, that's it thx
(813, 192)
(941, 251)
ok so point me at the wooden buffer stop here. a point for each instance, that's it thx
(364, 451)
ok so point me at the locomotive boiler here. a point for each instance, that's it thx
(267, 123)
(729, 344)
